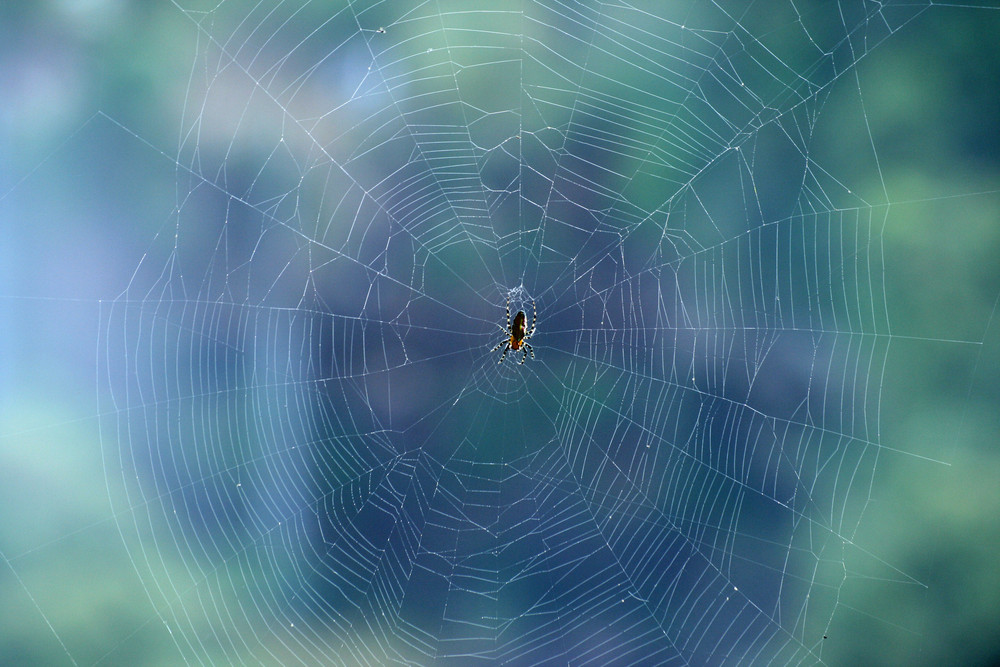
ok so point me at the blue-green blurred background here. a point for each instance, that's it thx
(92, 93)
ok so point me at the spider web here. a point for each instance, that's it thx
(323, 462)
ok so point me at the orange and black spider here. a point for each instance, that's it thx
(517, 334)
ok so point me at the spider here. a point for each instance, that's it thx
(517, 335)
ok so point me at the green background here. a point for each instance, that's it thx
(90, 97)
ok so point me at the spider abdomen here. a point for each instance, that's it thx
(517, 330)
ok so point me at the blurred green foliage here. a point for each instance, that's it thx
(929, 94)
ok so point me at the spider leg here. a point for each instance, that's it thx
(527, 349)
(534, 318)
(504, 354)
(499, 345)
(508, 314)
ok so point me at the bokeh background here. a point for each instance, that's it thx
(92, 97)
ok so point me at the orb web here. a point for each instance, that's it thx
(323, 463)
